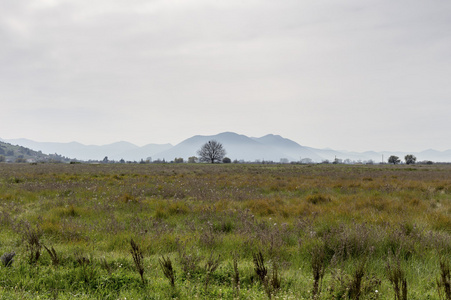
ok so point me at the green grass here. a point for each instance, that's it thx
(192, 212)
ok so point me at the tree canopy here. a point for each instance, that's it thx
(394, 160)
(212, 151)
(410, 159)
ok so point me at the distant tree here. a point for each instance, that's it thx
(2, 158)
(394, 160)
(226, 160)
(410, 159)
(212, 151)
(122, 161)
(192, 159)
(105, 160)
(21, 160)
(337, 161)
(306, 160)
(2, 151)
(284, 160)
(10, 153)
(178, 160)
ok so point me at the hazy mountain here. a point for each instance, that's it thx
(289, 147)
(15, 153)
(237, 146)
(143, 152)
(269, 147)
(114, 151)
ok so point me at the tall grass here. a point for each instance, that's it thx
(312, 224)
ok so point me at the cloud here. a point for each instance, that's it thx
(172, 69)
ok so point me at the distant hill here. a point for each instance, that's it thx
(15, 153)
(115, 151)
(290, 148)
(238, 147)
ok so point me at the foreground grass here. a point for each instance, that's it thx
(342, 216)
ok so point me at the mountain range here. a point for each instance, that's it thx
(238, 147)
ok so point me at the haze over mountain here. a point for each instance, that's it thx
(240, 147)
(115, 151)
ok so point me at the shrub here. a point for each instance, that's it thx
(8, 258)
(317, 199)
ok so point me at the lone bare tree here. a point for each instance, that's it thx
(211, 151)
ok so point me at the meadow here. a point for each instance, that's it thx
(229, 231)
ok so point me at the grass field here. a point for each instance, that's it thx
(159, 231)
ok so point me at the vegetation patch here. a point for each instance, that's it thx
(226, 231)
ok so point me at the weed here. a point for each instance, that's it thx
(82, 260)
(87, 274)
(105, 265)
(318, 268)
(396, 276)
(210, 266)
(261, 271)
(168, 270)
(31, 236)
(188, 262)
(444, 281)
(275, 278)
(270, 284)
(236, 275)
(138, 259)
(356, 282)
(53, 255)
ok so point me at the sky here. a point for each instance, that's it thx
(345, 74)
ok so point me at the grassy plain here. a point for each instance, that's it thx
(340, 221)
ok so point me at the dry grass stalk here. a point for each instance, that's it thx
(88, 273)
(275, 279)
(356, 283)
(270, 284)
(397, 277)
(31, 237)
(138, 259)
(444, 281)
(236, 276)
(53, 255)
(168, 270)
(318, 268)
(105, 265)
(83, 261)
(262, 272)
(188, 262)
(210, 266)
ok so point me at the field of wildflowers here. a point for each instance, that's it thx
(229, 231)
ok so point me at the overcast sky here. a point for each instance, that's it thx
(345, 74)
